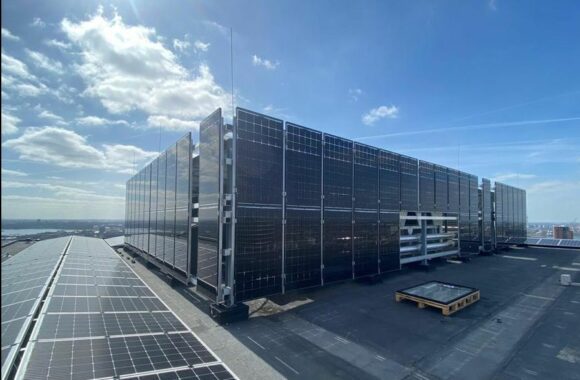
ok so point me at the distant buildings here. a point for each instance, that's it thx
(563, 232)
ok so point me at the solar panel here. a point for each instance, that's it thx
(302, 228)
(25, 279)
(389, 181)
(338, 194)
(426, 186)
(217, 371)
(259, 183)
(88, 329)
(409, 190)
(365, 216)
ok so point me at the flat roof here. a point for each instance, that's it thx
(525, 324)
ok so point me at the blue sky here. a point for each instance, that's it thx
(92, 90)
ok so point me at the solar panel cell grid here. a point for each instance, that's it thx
(218, 372)
(83, 333)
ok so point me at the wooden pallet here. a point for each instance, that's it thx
(446, 309)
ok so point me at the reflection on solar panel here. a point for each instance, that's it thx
(101, 321)
(25, 279)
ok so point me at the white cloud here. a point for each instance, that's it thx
(15, 67)
(9, 36)
(159, 121)
(57, 44)
(508, 176)
(181, 45)
(45, 114)
(61, 147)
(492, 5)
(42, 61)
(266, 63)
(354, 94)
(378, 113)
(201, 46)
(9, 123)
(29, 89)
(38, 23)
(13, 173)
(95, 121)
(128, 68)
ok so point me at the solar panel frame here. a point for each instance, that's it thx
(14, 330)
(118, 344)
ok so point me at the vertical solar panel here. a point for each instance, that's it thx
(147, 208)
(153, 207)
(183, 203)
(464, 210)
(426, 186)
(170, 192)
(453, 190)
(486, 212)
(210, 152)
(303, 188)
(338, 215)
(366, 187)
(409, 184)
(259, 187)
(474, 231)
(389, 235)
(389, 181)
(441, 189)
(160, 228)
(498, 197)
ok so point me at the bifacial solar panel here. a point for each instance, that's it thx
(25, 280)
(88, 336)
(337, 256)
(303, 190)
(426, 186)
(389, 234)
(486, 212)
(259, 195)
(210, 150)
(441, 188)
(365, 243)
(389, 181)
(409, 188)
(453, 190)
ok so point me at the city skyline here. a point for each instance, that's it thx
(91, 93)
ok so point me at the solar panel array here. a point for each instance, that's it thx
(25, 280)
(158, 208)
(544, 242)
(101, 321)
(510, 203)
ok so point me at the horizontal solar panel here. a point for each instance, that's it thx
(25, 279)
(109, 324)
